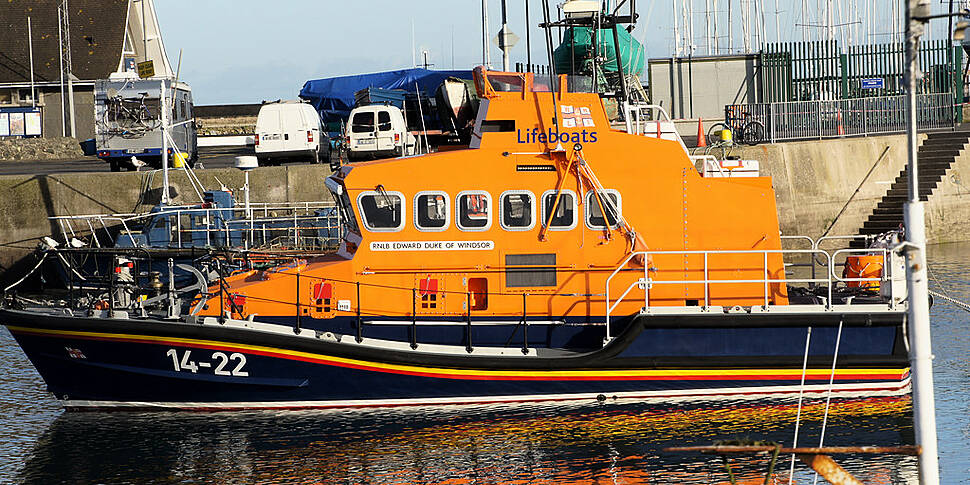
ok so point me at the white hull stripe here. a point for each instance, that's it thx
(875, 389)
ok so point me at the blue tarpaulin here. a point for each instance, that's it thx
(334, 97)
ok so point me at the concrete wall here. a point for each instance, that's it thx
(701, 86)
(26, 202)
(814, 180)
(50, 101)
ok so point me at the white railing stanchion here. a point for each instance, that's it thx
(707, 285)
(766, 278)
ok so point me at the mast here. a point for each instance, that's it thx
(502, 38)
(485, 56)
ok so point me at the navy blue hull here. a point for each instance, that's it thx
(103, 362)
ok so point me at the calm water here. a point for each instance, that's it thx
(615, 442)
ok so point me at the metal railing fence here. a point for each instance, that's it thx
(804, 120)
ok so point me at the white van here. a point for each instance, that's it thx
(290, 130)
(378, 131)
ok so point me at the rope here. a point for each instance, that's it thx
(828, 397)
(945, 296)
(857, 189)
(801, 393)
(21, 280)
(960, 304)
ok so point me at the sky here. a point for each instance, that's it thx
(247, 51)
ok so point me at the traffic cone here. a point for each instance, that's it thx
(701, 139)
(838, 118)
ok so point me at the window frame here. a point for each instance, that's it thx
(488, 213)
(575, 210)
(389, 123)
(373, 122)
(363, 217)
(588, 213)
(447, 211)
(501, 207)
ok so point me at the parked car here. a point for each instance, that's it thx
(290, 130)
(378, 131)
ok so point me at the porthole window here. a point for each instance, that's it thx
(518, 210)
(473, 211)
(564, 217)
(611, 203)
(382, 211)
(431, 211)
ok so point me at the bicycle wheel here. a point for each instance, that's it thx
(714, 133)
(753, 133)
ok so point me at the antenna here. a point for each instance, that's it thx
(553, 78)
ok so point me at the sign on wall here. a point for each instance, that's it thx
(873, 83)
(21, 122)
(146, 69)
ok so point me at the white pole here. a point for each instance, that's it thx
(30, 44)
(249, 213)
(777, 22)
(485, 55)
(144, 29)
(60, 42)
(70, 98)
(502, 36)
(714, 22)
(163, 107)
(414, 60)
(920, 348)
(676, 30)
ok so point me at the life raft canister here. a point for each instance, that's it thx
(863, 267)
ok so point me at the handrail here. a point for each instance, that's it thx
(646, 282)
(818, 242)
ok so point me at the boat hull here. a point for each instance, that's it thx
(111, 363)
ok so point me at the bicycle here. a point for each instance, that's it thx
(744, 129)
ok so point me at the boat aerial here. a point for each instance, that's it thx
(556, 258)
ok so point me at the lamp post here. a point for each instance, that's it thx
(920, 353)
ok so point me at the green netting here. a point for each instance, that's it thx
(578, 42)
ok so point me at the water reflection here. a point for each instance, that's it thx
(599, 443)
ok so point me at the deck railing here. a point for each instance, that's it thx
(309, 225)
(819, 257)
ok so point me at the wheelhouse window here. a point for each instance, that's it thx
(564, 215)
(382, 211)
(518, 210)
(363, 122)
(610, 202)
(473, 211)
(344, 205)
(431, 211)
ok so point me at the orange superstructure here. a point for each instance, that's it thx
(548, 201)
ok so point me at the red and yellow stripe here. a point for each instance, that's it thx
(475, 374)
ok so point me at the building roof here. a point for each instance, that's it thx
(97, 38)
